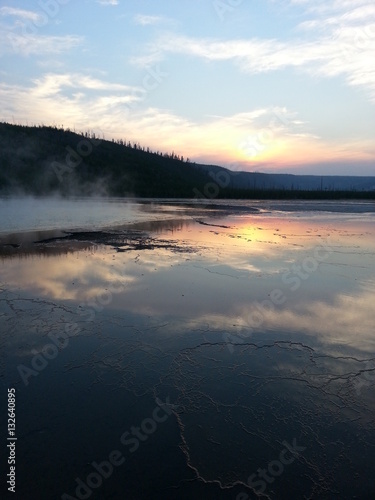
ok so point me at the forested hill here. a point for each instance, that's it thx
(50, 160)
(43, 160)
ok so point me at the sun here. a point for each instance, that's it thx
(256, 152)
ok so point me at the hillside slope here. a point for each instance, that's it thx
(46, 160)
(42, 160)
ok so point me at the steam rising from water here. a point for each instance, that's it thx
(29, 213)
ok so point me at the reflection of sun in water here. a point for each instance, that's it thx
(258, 232)
(252, 233)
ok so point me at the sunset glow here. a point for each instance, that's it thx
(266, 86)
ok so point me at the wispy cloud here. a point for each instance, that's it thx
(39, 45)
(148, 59)
(26, 15)
(336, 39)
(54, 83)
(108, 2)
(24, 37)
(322, 7)
(342, 46)
(76, 99)
(145, 20)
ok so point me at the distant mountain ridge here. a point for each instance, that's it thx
(41, 160)
(257, 180)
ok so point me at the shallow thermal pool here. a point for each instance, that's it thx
(170, 350)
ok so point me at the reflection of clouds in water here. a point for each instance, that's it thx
(79, 276)
(348, 319)
(219, 281)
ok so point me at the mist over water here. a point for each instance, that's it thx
(30, 213)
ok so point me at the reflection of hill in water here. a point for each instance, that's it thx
(24, 245)
(159, 226)
(56, 242)
(24, 252)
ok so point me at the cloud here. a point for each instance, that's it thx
(25, 15)
(258, 56)
(145, 20)
(322, 7)
(23, 37)
(37, 44)
(108, 2)
(340, 44)
(53, 84)
(147, 60)
(74, 99)
(261, 139)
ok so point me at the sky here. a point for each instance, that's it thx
(282, 86)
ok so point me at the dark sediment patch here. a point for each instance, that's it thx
(120, 241)
(143, 235)
(214, 225)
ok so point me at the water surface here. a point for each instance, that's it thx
(222, 349)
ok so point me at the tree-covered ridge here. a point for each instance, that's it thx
(40, 160)
(43, 160)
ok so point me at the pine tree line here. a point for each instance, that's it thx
(90, 134)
